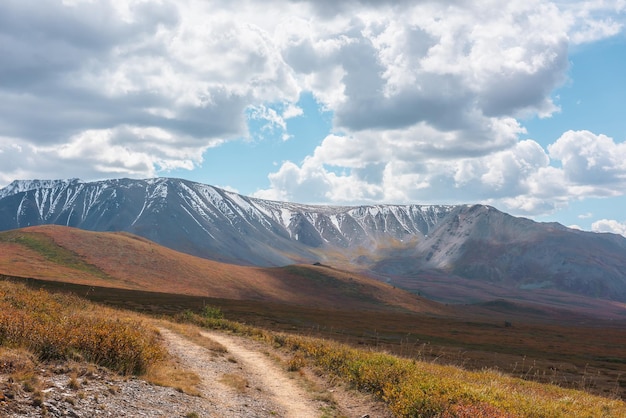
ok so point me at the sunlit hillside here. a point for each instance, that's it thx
(126, 261)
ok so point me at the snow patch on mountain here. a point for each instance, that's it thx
(19, 186)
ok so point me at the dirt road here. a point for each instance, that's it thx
(243, 382)
(239, 378)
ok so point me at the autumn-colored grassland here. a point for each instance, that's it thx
(65, 327)
(418, 388)
(547, 346)
(125, 261)
(588, 356)
(411, 386)
(41, 327)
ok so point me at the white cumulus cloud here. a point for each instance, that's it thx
(426, 97)
(609, 225)
(591, 159)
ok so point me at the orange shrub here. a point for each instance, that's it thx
(55, 326)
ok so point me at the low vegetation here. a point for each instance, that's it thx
(64, 327)
(51, 251)
(543, 344)
(414, 388)
(38, 326)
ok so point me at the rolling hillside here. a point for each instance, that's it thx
(122, 260)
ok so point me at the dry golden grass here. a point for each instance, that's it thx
(55, 326)
(235, 381)
(16, 360)
(172, 374)
(36, 326)
(414, 388)
(20, 365)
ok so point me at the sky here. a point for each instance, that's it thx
(516, 104)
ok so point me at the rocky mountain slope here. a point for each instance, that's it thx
(480, 243)
(473, 242)
(209, 222)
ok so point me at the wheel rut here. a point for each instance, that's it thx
(243, 381)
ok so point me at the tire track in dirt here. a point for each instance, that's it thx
(282, 389)
(270, 391)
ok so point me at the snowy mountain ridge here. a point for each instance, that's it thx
(97, 205)
(405, 242)
(19, 186)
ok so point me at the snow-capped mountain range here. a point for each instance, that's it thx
(217, 223)
(474, 242)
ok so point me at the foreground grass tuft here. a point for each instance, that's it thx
(421, 389)
(56, 326)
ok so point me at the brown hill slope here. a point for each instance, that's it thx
(122, 260)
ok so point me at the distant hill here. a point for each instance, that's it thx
(450, 253)
(122, 260)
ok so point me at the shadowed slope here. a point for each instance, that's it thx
(126, 261)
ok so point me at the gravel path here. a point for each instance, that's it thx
(96, 393)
